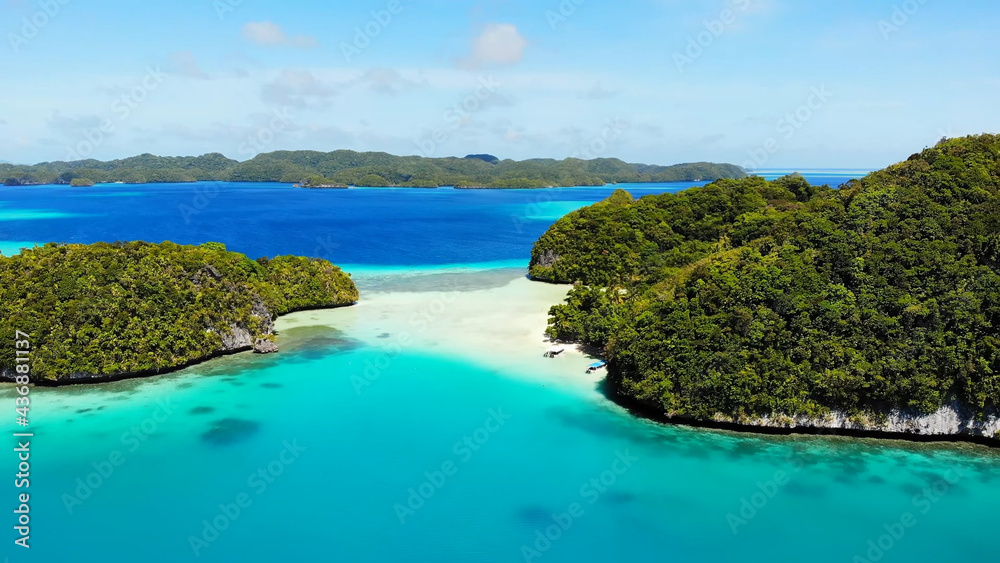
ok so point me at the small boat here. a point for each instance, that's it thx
(554, 351)
(596, 366)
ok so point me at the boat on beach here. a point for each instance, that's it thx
(596, 366)
(554, 351)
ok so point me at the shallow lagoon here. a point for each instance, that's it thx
(200, 438)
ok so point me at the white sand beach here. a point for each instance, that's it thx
(499, 327)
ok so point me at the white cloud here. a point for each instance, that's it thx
(298, 88)
(183, 63)
(73, 126)
(599, 92)
(387, 81)
(267, 33)
(499, 44)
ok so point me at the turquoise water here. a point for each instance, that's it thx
(370, 271)
(362, 453)
(11, 247)
(831, 177)
(32, 214)
(343, 429)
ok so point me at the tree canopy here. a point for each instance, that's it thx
(754, 298)
(371, 169)
(104, 309)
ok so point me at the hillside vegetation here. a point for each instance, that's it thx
(374, 169)
(751, 298)
(113, 310)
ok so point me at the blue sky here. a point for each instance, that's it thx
(761, 83)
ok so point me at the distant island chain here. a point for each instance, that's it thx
(344, 168)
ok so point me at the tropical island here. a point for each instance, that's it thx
(317, 181)
(780, 304)
(110, 311)
(368, 169)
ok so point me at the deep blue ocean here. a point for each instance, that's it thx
(442, 458)
(373, 227)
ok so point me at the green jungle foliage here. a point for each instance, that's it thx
(315, 181)
(369, 169)
(123, 308)
(750, 298)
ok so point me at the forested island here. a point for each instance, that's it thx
(109, 311)
(369, 169)
(874, 307)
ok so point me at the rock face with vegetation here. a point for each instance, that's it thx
(316, 181)
(369, 169)
(108, 311)
(872, 307)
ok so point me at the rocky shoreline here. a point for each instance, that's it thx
(950, 420)
(951, 423)
(91, 379)
(238, 340)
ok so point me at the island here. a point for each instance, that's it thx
(366, 169)
(485, 158)
(110, 311)
(871, 309)
(81, 183)
(316, 181)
